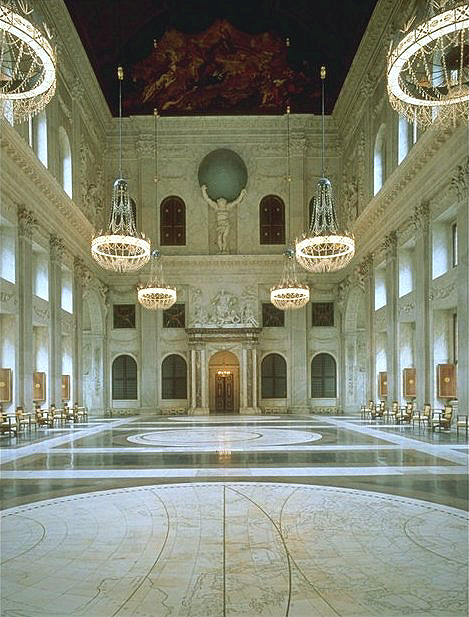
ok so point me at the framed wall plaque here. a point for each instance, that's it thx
(6, 378)
(65, 387)
(446, 381)
(383, 384)
(39, 386)
(410, 382)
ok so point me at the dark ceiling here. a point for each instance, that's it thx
(220, 56)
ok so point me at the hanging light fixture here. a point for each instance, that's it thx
(323, 248)
(289, 293)
(428, 66)
(156, 294)
(122, 249)
(27, 59)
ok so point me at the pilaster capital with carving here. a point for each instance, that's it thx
(78, 90)
(56, 247)
(26, 222)
(297, 145)
(421, 217)
(460, 181)
(81, 273)
(364, 270)
(145, 146)
(390, 244)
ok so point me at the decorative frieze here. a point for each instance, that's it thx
(439, 293)
(421, 217)
(364, 270)
(390, 245)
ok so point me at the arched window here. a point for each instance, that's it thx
(323, 376)
(124, 378)
(174, 377)
(172, 222)
(379, 159)
(273, 376)
(65, 161)
(272, 220)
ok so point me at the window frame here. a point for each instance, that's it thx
(129, 385)
(177, 382)
(174, 227)
(275, 231)
(321, 374)
(277, 386)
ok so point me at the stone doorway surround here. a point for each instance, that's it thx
(204, 343)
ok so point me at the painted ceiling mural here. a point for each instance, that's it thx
(220, 70)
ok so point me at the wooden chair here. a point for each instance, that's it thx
(23, 420)
(41, 417)
(393, 411)
(405, 413)
(462, 422)
(6, 423)
(443, 421)
(426, 415)
(378, 410)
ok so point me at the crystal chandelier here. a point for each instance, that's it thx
(428, 67)
(156, 294)
(27, 60)
(324, 248)
(122, 249)
(289, 293)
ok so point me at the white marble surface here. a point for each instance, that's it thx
(224, 437)
(234, 549)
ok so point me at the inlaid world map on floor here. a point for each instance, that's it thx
(234, 549)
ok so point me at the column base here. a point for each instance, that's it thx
(250, 411)
(198, 411)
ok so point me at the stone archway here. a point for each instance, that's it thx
(223, 374)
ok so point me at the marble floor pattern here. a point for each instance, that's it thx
(297, 516)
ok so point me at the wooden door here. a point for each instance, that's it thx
(224, 394)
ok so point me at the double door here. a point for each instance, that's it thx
(224, 393)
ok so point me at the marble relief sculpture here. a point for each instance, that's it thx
(222, 209)
(224, 310)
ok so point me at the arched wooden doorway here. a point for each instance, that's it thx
(223, 370)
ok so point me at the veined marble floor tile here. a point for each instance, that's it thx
(234, 549)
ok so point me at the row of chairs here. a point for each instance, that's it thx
(431, 418)
(47, 418)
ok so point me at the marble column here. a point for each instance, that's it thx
(24, 283)
(366, 281)
(298, 371)
(460, 184)
(56, 251)
(392, 295)
(423, 340)
(80, 277)
(199, 382)
(149, 365)
(297, 221)
(248, 403)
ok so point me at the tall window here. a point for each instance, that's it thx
(404, 138)
(273, 377)
(40, 122)
(65, 161)
(323, 376)
(173, 222)
(124, 378)
(454, 244)
(379, 159)
(174, 377)
(272, 220)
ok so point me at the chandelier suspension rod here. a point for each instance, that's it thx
(120, 75)
(288, 157)
(323, 76)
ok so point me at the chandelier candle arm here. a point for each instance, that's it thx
(324, 247)
(122, 249)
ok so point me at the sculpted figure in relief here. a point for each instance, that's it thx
(222, 208)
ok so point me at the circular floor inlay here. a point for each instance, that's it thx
(239, 549)
(223, 437)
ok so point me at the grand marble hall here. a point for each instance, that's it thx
(220, 456)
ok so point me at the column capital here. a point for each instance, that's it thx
(364, 270)
(81, 272)
(421, 217)
(26, 222)
(56, 247)
(390, 244)
(460, 181)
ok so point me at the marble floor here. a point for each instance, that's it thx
(234, 516)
